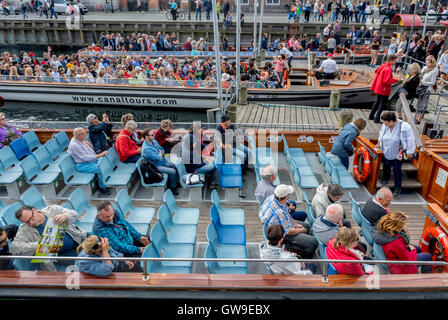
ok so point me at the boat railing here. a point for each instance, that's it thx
(146, 275)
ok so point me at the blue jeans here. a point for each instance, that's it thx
(208, 168)
(199, 11)
(170, 169)
(345, 161)
(297, 215)
(91, 167)
(207, 14)
(52, 12)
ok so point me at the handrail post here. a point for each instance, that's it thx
(145, 271)
(324, 272)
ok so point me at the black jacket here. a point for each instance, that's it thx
(11, 231)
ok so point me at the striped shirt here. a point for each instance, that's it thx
(273, 212)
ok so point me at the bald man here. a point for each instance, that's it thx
(376, 207)
(84, 156)
(326, 226)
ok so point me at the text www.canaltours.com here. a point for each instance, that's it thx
(133, 100)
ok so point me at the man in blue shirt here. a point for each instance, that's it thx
(152, 151)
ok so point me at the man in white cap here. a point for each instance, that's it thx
(297, 234)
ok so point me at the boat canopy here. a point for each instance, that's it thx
(407, 20)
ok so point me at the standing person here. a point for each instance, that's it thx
(226, 9)
(321, 12)
(315, 10)
(198, 9)
(208, 7)
(382, 85)
(307, 10)
(173, 7)
(343, 146)
(410, 85)
(396, 140)
(279, 68)
(287, 54)
(428, 79)
(374, 48)
(22, 6)
(52, 11)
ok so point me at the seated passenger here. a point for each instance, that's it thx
(99, 132)
(328, 68)
(275, 211)
(8, 133)
(327, 226)
(7, 233)
(163, 136)
(152, 151)
(273, 248)
(121, 234)
(127, 149)
(342, 248)
(392, 235)
(376, 208)
(326, 195)
(30, 232)
(85, 158)
(124, 119)
(266, 187)
(95, 247)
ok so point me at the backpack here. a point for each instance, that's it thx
(199, 4)
(150, 173)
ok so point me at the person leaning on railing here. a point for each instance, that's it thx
(410, 85)
(8, 133)
(428, 79)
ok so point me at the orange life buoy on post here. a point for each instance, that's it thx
(440, 250)
(361, 176)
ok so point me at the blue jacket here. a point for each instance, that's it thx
(98, 134)
(121, 234)
(151, 152)
(97, 268)
(343, 147)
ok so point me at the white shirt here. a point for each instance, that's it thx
(328, 66)
(285, 51)
(391, 141)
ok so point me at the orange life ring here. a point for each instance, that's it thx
(438, 248)
(361, 177)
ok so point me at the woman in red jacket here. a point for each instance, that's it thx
(395, 242)
(126, 147)
(341, 248)
(382, 85)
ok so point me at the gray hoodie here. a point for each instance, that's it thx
(324, 230)
(272, 252)
(380, 237)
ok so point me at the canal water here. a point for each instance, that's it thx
(36, 111)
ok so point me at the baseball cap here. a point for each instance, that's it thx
(138, 68)
(283, 190)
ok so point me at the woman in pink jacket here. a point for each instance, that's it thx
(279, 68)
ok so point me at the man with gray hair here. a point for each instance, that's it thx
(266, 187)
(127, 148)
(376, 208)
(99, 132)
(326, 195)
(326, 226)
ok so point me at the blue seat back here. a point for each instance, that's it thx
(322, 247)
(322, 154)
(68, 168)
(32, 140)
(42, 156)
(158, 237)
(113, 157)
(164, 217)
(32, 197)
(20, 148)
(379, 254)
(124, 202)
(331, 267)
(8, 158)
(309, 209)
(366, 230)
(210, 253)
(265, 227)
(212, 235)
(62, 139)
(9, 214)
(216, 200)
(106, 169)
(53, 148)
(149, 252)
(30, 167)
(180, 166)
(170, 201)
(78, 200)
(356, 210)
(214, 216)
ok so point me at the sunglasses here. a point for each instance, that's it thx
(97, 244)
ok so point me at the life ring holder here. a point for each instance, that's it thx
(439, 248)
(364, 153)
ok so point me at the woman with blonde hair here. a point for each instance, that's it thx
(392, 235)
(343, 146)
(342, 248)
(428, 79)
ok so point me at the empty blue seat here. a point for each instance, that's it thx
(157, 184)
(156, 266)
(110, 177)
(134, 214)
(55, 150)
(228, 216)
(80, 204)
(117, 165)
(170, 250)
(34, 174)
(341, 176)
(73, 177)
(20, 148)
(226, 251)
(213, 266)
(180, 215)
(379, 254)
(356, 210)
(32, 197)
(229, 174)
(32, 140)
(8, 215)
(86, 226)
(176, 233)
(310, 214)
(9, 160)
(291, 152)
(44, 160)
(304, 180)
(63, 140)
(228, 234)
(15, 170)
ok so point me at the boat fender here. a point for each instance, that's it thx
(361, 176)
(439, 250)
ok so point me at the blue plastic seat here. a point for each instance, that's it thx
(55, 150)
(228, 216)
(73, 177)
(20, 148)
(366, 230)
(322, 247)
(110, 177)
(44, 160)
(303, 179)
(32, 197)
(180, 215)
(182, 171)
(170, 250)
(63, 140)
(158, 184)
(226, 251)
(9, 160)
(331, 267)
(117, 165)
(310, 214)
(291, 152)
(341, 176)
(356, 210)
(265, 227)
(86, 226)
(213, 266)
(176, 233)
(34, 174)
(136, 215)
(228, 234)
(80, 204)
(379, 254)
(156, 266)
(32, 140)
(8, 215)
